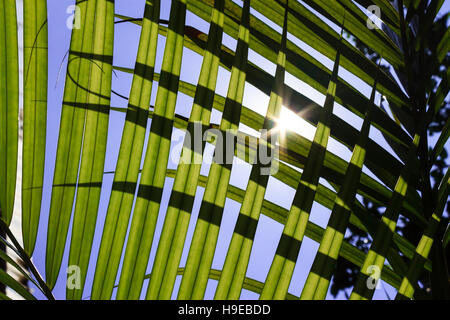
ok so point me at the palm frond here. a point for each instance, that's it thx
(35, 117)
(9, 108)
(366, 156)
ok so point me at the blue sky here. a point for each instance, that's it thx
(126, 43)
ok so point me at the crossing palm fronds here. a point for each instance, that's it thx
(377, 253)
(128, 163)
(143, 73)
(319, 277)
(236, 263)
(181, 202)
(162, 223)
(199, 261)
(281, 270)
(407, 287)
(151, 183)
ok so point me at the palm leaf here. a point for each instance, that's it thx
(316, 286)
(9, 108)
(35, 117)
(181, 202)
(295, 149)
(346, 134)
(249, 284)
(236, 262)
(279, 277)
(84, 122)
(263, 39)
(423, 249)
(128, 163)
(390, 166)
(199, 261)
(377, 253)
(290, 177)
(156, 158)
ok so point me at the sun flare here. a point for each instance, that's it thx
(290, 121)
